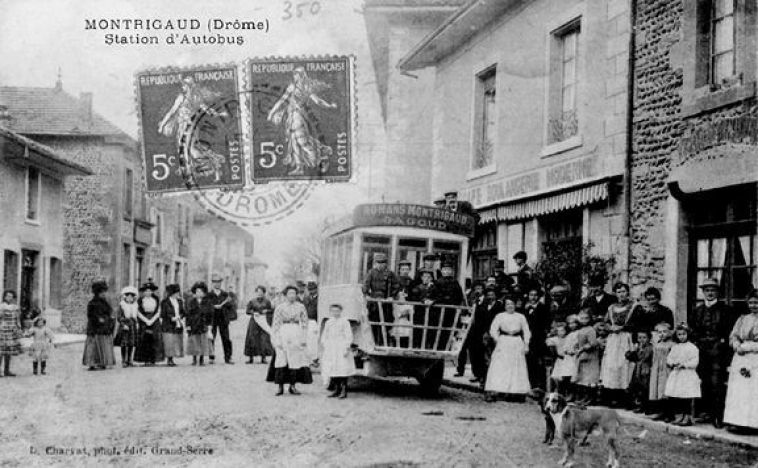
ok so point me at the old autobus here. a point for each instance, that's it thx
(401, 232)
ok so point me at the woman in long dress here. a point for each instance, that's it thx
(615, 370)
(741, 405)
(98, 349)
(172, 324)
(127, 331)
(10, 331)
(257, 340)
(507, 372)
(288, 332)
(150, 344)
(337, 363)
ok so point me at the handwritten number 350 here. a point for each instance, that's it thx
(313, 9)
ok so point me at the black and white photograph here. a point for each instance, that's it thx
(379, 233)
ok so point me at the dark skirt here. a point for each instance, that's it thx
(257, 341)
(284, 375)
(98, 351)
(127, 337)
(149, 346)
(173, 344)
(198, 345)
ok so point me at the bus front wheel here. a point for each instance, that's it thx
(431, 380)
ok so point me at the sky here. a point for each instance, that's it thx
(40, 37)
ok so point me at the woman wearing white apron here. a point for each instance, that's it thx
(507, 373)
(288, 335)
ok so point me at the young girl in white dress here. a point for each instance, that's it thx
(683, 383)
(563, 369)
(337, 362)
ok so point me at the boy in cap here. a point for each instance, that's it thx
(711, 323)
(380, 283)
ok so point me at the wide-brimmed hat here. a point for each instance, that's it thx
(99, 286)
(199, 285)
(709, 283)
(129, 290)
(149, 285)
(172, 289)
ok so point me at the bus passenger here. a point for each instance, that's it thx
(380, 283)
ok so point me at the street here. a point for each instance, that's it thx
(228, 416)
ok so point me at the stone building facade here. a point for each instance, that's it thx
(528, 122)
(695, 136)
(108, 223)
(31, 206)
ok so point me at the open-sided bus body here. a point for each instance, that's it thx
(401, 232)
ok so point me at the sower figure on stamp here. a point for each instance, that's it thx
(178, 121)
(292, 111)
(711, 322)
(380, 283)
(222, 304)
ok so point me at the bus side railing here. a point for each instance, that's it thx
(434, 328)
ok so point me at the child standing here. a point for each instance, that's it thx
(569, 347)
(42, 343)
(337, 362)
(659, 371)
(683, 384)
(587, 359)
(401, 330)
(563, 368)
(642, 357)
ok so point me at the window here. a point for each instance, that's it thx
(56, 283)
(724, 244)
(128, 193)
(484, 251)
(33, 187)
(412, 250)
(139, 261)
(722, 63)
(166, 275)
(372, 245)
(157, 220)
(563, 120)
(178, 273)
(126, 265)
(10, 271)
(485, 124)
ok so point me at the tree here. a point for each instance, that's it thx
(570, 262)
(304, 259)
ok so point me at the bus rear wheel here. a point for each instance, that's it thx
(432, 380)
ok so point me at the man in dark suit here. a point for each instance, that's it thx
(429, 261)
(597, 300)
(711, 323)
(223, 311)
(447, 292)
(525, 274)
(380, 283)
(484, 313)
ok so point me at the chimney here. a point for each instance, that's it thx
(85, 105)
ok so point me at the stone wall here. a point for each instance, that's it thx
(657, 127)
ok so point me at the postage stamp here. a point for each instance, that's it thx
(190, 128)
(301, 118)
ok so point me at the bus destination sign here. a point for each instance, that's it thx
(415, 216)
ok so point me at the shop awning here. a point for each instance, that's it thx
(547, 204)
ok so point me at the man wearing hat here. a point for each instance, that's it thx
(525, 274)
(561, 305)
(380, 283)
(310, 301)
(221, 304)
(429, 261)
(598, 299)
(501, 278)
(404, 276)
(711, 323)
(446, 291)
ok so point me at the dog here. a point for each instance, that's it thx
(573, 422)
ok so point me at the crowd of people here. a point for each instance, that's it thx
(610, 349)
